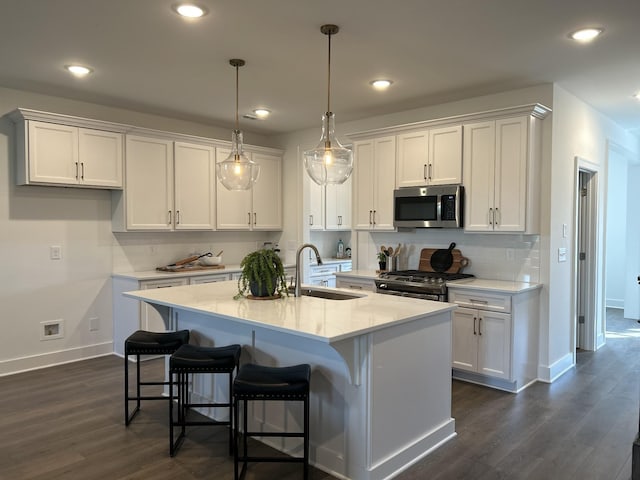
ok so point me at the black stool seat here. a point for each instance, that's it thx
(278, 383)
(195, 359)
(256, 382)
(142, 342)
(205, 359)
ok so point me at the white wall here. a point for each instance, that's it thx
(78, 287)
(616, 229)
(578, 130)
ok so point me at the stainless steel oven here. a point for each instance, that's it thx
(417, 284)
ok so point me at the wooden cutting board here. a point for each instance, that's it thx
(456, 267)
(189, 268)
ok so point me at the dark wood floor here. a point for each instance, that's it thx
(66, 422)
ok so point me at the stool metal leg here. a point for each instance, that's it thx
(306, 438)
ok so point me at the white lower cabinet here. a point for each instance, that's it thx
(495, 337)
(151, 319)
(481, 342)
(323, 275)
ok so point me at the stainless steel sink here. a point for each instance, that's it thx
(326, 294)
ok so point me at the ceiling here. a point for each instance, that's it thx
(147, 58)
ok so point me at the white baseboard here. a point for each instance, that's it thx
(549, 373)
(49, 359)
(614, 303)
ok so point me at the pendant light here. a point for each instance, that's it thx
(237, 172)
(329, 162)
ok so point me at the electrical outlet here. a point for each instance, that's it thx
(55, 252)
(51, 329)
(94, 324)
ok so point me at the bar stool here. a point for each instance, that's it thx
(143, 342)
(255, 382)
(194, 359)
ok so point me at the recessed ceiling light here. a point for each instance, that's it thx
(585, 35)
(190, 10)
(262, 112)
(78, 70)
(637, 96)
(381, 84)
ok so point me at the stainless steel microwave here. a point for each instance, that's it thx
(437, 206)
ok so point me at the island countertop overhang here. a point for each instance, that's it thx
(328, 321)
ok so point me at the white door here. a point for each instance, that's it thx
(445, 155)
(363, 182)
(267, 193)
(494, 347)
(195, 194)
(510, 175)
(385, 175)
(412, 162)
(465, 339)
(53, 153)
(149, 183)
(100, 155)
(478, 173)
(233, 207)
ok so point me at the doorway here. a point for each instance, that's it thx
(588, 321)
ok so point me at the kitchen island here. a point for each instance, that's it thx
(381, 369)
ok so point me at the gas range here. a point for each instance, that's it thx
(417, 283)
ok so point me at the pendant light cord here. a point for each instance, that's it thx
(237, 83)
(329, 77)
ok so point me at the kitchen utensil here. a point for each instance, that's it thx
(190, 259)
(211, 260)
(424, 265)
(398, 250)
(382, 248)
(219, 253)
(442, 259)
(390, 251)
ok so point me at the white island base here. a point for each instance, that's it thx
(380, 390)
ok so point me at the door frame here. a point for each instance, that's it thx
(594, 326)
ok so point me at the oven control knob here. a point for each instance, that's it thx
(382, 285)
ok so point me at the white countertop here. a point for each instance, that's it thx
(502, 286)
(325, 320)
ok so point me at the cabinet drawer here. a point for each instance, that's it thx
(346, 266)
(163, 283)
(322, 270)
(219, 277)
(356, 284)
(496, 302)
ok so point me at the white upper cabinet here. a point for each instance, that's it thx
(329, 206)
(373, 183)
(500, 176)
(259, 208)
(194, 186)
(149, 184)
(169, 186)
(56, 154)
(430, 157)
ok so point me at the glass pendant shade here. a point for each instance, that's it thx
(329, 162)
(237, 172)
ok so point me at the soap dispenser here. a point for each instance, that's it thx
(340, 253)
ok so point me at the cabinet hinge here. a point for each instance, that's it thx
(583, 192)
(581, 319)
(583, 256)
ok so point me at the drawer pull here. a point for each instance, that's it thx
(474, 300)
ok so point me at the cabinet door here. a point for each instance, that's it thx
(478, 174)
(316, 202)
(494, 347)
(511, 175)
(267, 194)
(465, 339)
(233, 207)
(363, 182)
(153, 318)
(195, 197)
(338, 206)
(385, 174)
(100, 156)
(445, 156)
(53, 153)
(412, 163)
(149, 183)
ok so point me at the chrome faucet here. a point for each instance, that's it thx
(296, 288)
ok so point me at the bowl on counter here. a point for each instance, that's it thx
(211, 260)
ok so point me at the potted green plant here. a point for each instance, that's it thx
(382, 261)
(262, 275)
